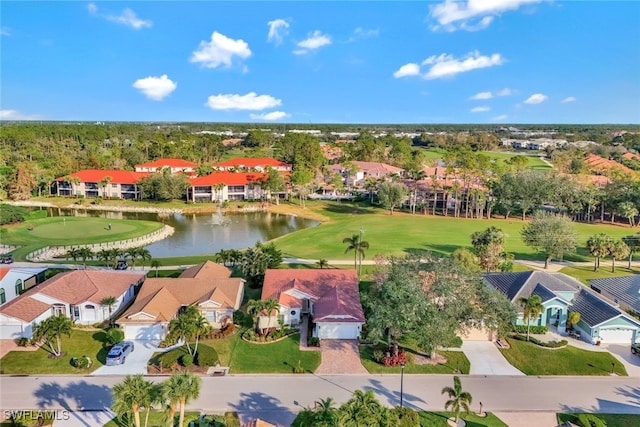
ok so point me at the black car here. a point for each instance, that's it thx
(6, 259)
(122, 265)
(635, 348)
(118, 353)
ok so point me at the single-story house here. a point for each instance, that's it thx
(599, 319)
(330, 298)
(359, 171)
(14, 281)
(208, 286)
(623, 291)
(174, 165)
(77, 294)
(92, 183)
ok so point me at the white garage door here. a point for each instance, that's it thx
(10, 332)
(616, 336)
(341, 331)
(144, 332)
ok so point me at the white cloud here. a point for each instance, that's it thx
(482, 95)
(447, 66)
(360, 33)
(471, 15)
(272, 116)
(536, 98)
(500, 118)
(128, 17)
(250, 101)
(315, 41)
(278, 29)
(16, 115)
(220, 51)
(4, 31)
(504, 92)
(481, 109)
(155, 88)
(569, 99)
(410, 69)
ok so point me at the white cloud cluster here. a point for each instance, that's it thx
(500, 118)
(278, 29)
(536, 98)
(128, 17)
(471, 15)
(268, 117)
(480, 109)
(155, 88)
(16, 115)
(360, 33)
(569, 99)
(314, 41)
(250, 101)
(445, 65)
(220, 51)
(488, 95)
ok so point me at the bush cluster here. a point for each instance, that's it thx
(23, 342)
(535, 329)
(81, 362)
(206, 356)
(222, 333)
(10, 214)
(400, 359)
(551, 344)
(186, 360)
(251, 335)
(313, 341)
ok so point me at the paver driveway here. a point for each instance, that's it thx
(622, 352)
(340, 357)
(486, 359)
(136, 362)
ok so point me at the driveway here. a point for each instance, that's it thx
(486, 359)
(136, 362)
(622, 352)
(340, 357)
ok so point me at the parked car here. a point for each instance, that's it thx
(122, 265)
(6, 259)
(635, 348)
(119, 352)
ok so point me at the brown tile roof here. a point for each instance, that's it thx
(377, 169)
(162, 298)
(72, 287)
(600, 164)
(334, 292)
(206, 270)
(631, 156)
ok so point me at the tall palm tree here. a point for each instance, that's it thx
(155, 397)
(85, 253)
(155, 264)
(187, 387)
(104, 255)
(183, 328)
(73, 253)
(362, 409)
(144, 255)
(269, 306)
(357, 245)
(322, 263)
(325, 412)
(532, 307)
(171, 395)
(201, 327)
(114, 253)
(598, 246)
(130, 395)
(109, 302)
(633, 242)
(133, 254)
(459, 400)
(50, 330)
(618, 250)
(254, 307)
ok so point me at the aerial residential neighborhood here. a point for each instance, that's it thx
(320, 214)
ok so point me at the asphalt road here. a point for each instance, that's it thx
(290, 393)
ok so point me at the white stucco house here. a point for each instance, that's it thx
(14, 281)
(76, 294)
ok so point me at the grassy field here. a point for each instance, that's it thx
(456, 361)
(611, 420)
(156, 419)
(435, 154)
(534, 360)
(398, 233)
(80, 343)
(63, 231)
(585, 273)
(439, 419)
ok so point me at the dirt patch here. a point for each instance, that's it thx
(424, 359)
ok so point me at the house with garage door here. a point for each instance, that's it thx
(77, 294)
(207, 286)
(623, 291)
(600, 320)
(329, 298)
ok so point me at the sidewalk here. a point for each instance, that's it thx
(528, 419)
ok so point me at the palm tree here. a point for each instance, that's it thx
(73, 253)
(634, 246)
(618, 250)
(201, 327)
(572, 319)
(171, 395)
(325, 412)
(183, 327)
(187, 387)
(598, 246)
(105, 255)
(114, 253)
(532, 309)
(322, 263)
(362, 409)
(130, 395)
(144, 255)
(155, 397)
(155, 264)
(459, 400)
(52, 329)
(85, 253)
(109, 302)
(254, 308)
(357, 245)
(269, 306)
(133, 254)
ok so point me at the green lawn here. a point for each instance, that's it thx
(80, 343)
(434, 154)
(156, 419)
(456, 360)
(534, 360)
(394, 235)
(439, 419)
(585, 273)
(76, 231)
(611, 420)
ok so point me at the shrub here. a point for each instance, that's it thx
(590, 420)
(113, 336)
(224, 332)
(167, 342)
(298, 369)
(206, 356)
(398, 360)
(186, 360)
(405, 417)
(82, 362)
(313, 342)
(11, 213)
(551, 344)
(22, 342)
(378, 355)
(535, 329)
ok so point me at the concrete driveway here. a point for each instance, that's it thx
(486, 359)
(136, 362)
(622, 352)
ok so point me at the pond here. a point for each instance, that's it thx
(201, 234)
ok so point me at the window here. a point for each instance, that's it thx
(19, 286)
(210, 315)
(114, 185)
(3, 297)
(75, 311)
(90, 307)
(58, 309)
(293, 312)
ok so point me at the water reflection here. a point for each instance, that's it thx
(200, 234)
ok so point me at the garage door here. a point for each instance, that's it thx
(341, 331)
(616, 336)
(146, 332)
(10, 332)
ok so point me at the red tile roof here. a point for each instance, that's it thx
(4, 272)
(168, 163)
(117, 176)
(600, 164)
(227, 178)
(206, 270)
(251, 162)
(334, 293)
(631, 156)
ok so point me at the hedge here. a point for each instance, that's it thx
(552, 344)
(206, 356)
(534, 329)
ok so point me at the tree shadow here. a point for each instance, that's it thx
(255, 405)
(74, 397)
(393, 396)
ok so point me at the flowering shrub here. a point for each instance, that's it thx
(398, 360)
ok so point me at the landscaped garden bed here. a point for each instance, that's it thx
(551, 345)
(274, 336)
(439, 419)
(610, 420)
(179, 359)
(444, 362)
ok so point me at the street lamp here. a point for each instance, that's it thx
(401, 384)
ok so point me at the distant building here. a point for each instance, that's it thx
(92, 183)
(258, 164)
(175, 165)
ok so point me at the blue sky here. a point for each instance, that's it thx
(476, 61)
